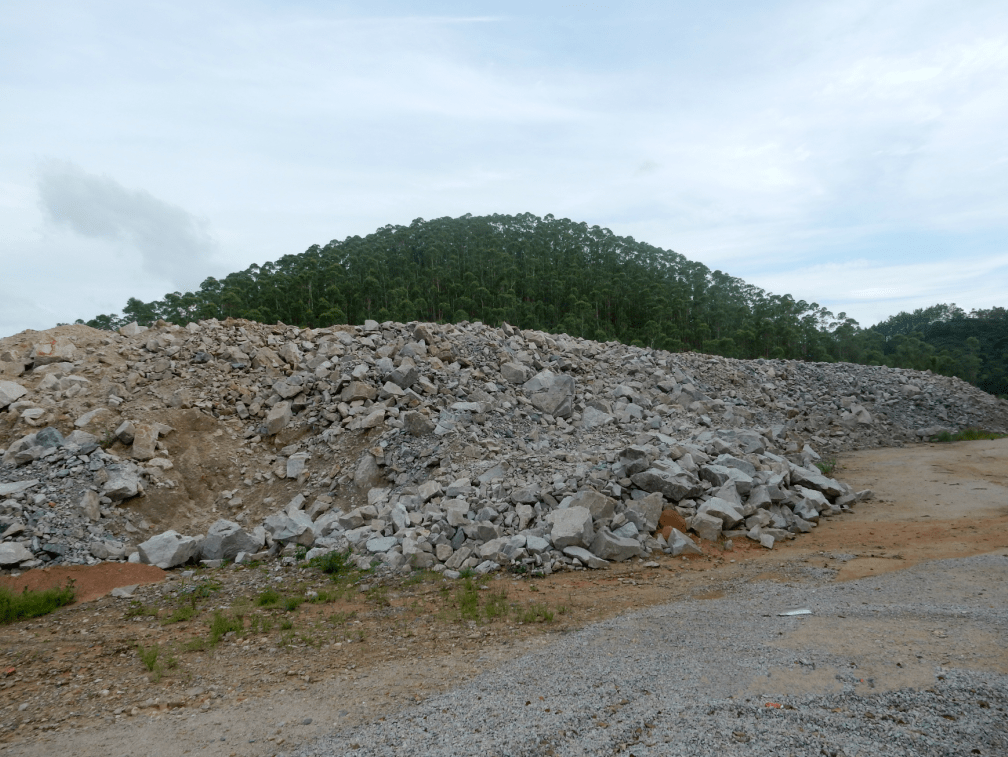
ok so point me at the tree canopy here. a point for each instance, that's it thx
(560, 276)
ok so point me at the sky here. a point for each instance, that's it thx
(852, 154)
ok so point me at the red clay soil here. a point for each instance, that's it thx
(90, 581)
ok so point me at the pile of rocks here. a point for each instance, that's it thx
(438, 446)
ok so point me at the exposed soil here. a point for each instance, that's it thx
(372, 649)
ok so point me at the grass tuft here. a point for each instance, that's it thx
(827, 465)
(333, 563)
(223, 624)
(967, 435)
(32, 604)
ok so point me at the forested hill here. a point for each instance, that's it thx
(543, 273)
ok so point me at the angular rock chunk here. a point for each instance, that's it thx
(168, 549)
(650, 510)
(707, 526)
(278, 418)
(10, 391)
(728, 513)
(587, 558)
(225, 539)
(551, 393)
(123, 482)
(13, 553)
(680, 544)
(609, 546)
(673, 486)
(418, 424)
(599, 505)
(145, 438)
(294, 527)
(816, 480)
(572, 527)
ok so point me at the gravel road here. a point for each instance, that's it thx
(907, 663)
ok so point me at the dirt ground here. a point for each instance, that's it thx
(74, 681)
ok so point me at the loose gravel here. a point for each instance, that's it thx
(697, 677)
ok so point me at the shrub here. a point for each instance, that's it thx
(32, 604)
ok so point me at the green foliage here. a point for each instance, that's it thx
(223, 624)
(333, 563)
(268, 598)
(138, 609)
(467, 600)
(496, 605)
(149, 655)
(557, 275)
(535, 613)
(182, 613)
(827, 465)
(290, 604)
(967, 435)
(33, 604)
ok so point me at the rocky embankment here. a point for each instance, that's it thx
(447, 447)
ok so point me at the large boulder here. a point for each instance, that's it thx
(609, 546)
(673, 485)
(727, 512)
(58, 350)
(10, 391)
(169, 549)
(278, 417)
(225, 539)
(680, 544)
(294, 527)
(650, 510)
(123, 482)
(551, 393)
(719, 475)
(13, 553)
(813, 479)
(572, 527)
(599, 505)
(706, 525)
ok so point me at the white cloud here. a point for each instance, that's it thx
(172, 242)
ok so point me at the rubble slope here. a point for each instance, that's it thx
(425, 445)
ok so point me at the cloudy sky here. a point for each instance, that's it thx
(853, 154)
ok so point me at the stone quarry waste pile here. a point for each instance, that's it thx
(437, 446)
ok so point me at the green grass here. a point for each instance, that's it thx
(467, 599)
(286, 624)
(333, 563)
(223, 624)
(196, 645)
(182, 613)
(496, 605)
(827, 465)
(149, 656)
(537, 613)
(138, 609)
(269, 598)
(290, 604)
(967, 435)
(32, 604)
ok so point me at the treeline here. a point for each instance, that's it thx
(542, 273)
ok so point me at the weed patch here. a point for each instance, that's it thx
(32, 604)
(967, 435)
(223, 624)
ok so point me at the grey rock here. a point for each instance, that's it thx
(650, 509)
(609, 546)
(380, 544)
(14, 553)
(728, 513)
(145, 438)
(418, 424)
(707, 526)
(90, 505)
(599, 505)
(225, 539)
(16, 487)
(49, 437)
(168, 549)
(125, 432)
(587, 558)
(672, 486)
(595, 418)
(572, 527)
(680, 544)
(297, 528)
(815, 480)
(278, 417)
(123, 482)
(296, 464)
(10, 391)
(514, 373)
